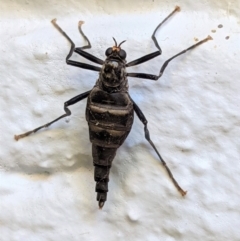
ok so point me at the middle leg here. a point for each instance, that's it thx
(156, 77)
(68, 112)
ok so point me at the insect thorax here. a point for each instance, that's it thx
(113, 77)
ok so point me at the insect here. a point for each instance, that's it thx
(110, 109)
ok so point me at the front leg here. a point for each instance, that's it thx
(79, 50)
(147, 136)
(157, 53)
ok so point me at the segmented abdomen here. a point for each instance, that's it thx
(110, 118)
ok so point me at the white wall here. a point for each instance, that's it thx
(46, 180)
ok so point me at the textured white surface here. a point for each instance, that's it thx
(46, 180)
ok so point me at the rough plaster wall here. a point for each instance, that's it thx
(46, 180)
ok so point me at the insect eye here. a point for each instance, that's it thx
(122, 54)
(108, 51)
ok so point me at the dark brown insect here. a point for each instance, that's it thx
(110, 109)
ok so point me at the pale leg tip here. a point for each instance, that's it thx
(209, 37)
(80, 23)
(177, 8)
(54, 20)
(184, 193)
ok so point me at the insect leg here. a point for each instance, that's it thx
(156, 77)
(88, 46)
(68, 112)
(83, 65)
(79, 50)
(177, 9)
(143, 59)
(157, 53)
(147, 136)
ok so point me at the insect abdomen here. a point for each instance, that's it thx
(102, 160)
(110, 118)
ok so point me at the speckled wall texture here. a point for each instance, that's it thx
(47, 189)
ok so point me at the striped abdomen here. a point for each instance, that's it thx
(110, 118)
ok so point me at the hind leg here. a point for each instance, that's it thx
(147, 136)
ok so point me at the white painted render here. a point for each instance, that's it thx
(46, 180)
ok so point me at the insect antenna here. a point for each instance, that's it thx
(115, 41)
(121, 43)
